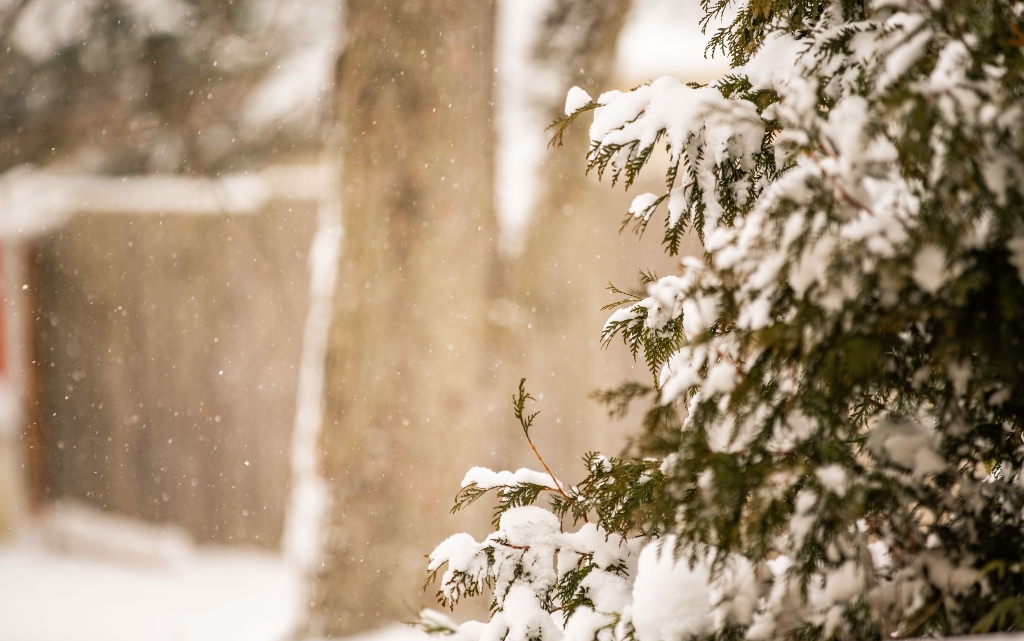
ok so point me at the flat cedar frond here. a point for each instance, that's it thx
(571, 591)
(630, 297)
(519, 405)
(467, 495)
(510, 496)
(618, 399)
(647, 276)
(1007, 614)
(621, 303)
(432, 626)
(657, 345)
(622, 493)
(561, 124)
(641, 219)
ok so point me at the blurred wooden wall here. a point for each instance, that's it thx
(168, 352)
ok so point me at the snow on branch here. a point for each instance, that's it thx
(835, 449)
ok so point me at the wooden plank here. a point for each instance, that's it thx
(169, 352)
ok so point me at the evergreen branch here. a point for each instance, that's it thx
(561, 124)
(619, 399)
(467, 495)
(518, 495)
(432, 623)
(1007, 614)
(519, 403)
(630, 297)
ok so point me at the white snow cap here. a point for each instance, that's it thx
(575, 100)
(930, 272)
(908, 444)
(1016, 247)
(42, 28)
(833, 478)
(528, 524)
(485, 478)
(671, 600)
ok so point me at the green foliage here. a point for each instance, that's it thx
(508, 496)
(562, 124)
(627, 495)
(837, 394)
(519, 403)
(874, 346)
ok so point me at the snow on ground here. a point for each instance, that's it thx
(46, 595)
(80, 576)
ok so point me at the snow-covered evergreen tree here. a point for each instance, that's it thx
(834, 444)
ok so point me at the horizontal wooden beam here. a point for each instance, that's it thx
(34, 201)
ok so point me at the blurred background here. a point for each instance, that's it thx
(271, 272)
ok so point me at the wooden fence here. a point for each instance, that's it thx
(168, 349)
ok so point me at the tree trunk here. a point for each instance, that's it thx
(407, 358)
(570, 252)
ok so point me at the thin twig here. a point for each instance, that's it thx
(519, 401)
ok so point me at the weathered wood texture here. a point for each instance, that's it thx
(168, 351)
